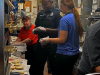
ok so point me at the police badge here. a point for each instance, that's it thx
(61, 14)
(51, 14)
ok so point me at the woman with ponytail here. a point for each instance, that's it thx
(69, 31)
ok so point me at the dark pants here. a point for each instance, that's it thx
(65, 64)
(42, 53)
(30, 56)
(49, 69)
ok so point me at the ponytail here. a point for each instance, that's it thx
(78, 22)
(71, 5)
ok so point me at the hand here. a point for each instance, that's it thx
(20, 42)
(39, 29)
(44, 41)
(16, 44)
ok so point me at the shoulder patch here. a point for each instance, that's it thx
(51, 14)
(61, 14)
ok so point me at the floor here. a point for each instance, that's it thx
(46, 69)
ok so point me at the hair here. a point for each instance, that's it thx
(25, 18)
(70, 4)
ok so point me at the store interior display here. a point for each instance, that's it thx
(11, 59)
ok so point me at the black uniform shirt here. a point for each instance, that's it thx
(49, 19)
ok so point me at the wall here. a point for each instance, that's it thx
(76, 3)
(87, 7)
(33, 16)
(34, 4)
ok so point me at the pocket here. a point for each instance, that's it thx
(51, 22)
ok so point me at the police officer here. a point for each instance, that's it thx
(48, 18)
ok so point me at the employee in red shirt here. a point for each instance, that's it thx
(26, 36)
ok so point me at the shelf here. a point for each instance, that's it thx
(8, 69)
(14, 34)
(9, 4)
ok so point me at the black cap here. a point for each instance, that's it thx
(25, 18)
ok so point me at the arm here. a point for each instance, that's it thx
(46, 30)
(18, 40)
(26, 41)
(37, 25)
(63, 33)
(97, 69)
(62, 38)
(30, 38)
(94, 51)
(49, 30)
(53, 31)
(57, 21)
(19, 37)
